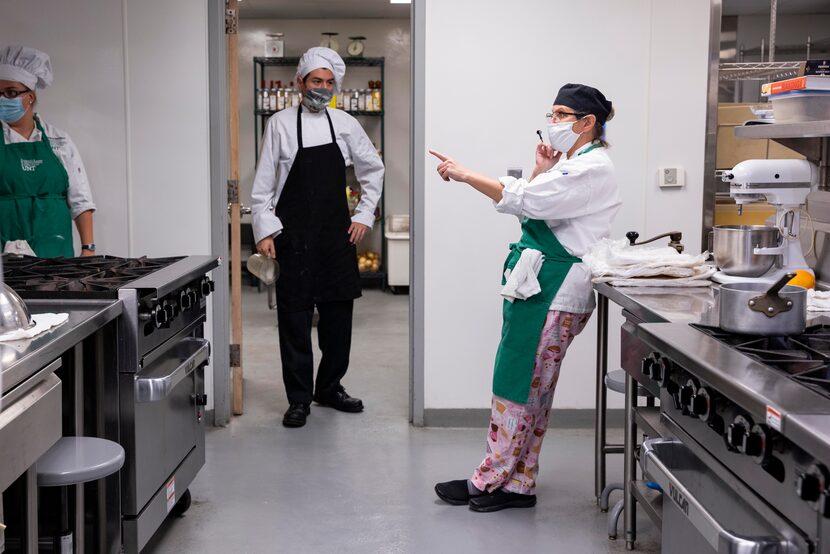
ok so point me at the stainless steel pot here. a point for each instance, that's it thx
(14, 315)
(733, 247)
(761, 309)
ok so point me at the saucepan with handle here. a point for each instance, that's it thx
(760, 309)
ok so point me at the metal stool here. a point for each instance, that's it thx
(615, 381)
(77, 460)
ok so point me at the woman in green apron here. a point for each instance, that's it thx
(566, 206)
(43, 184)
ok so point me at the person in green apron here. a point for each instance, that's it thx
(566, 206)
(43, 183)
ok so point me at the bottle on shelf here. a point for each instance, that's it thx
(377, 97)
(339, 99)
(272, 104)
(280, 96)
(298, 96)
(355, 103)
(261, 96)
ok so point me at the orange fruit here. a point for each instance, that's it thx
(804, 279)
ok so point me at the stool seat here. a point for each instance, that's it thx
(76, 460)
(615, 380)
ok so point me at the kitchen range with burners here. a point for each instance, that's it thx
(158, 369)
(754, 412)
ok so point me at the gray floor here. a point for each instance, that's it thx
(363, 483)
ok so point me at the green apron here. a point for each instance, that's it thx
(523, 320)
(33, 198)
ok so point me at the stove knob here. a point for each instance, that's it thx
(662, 370)
(184, 300)
(649, 361)
(699, 406)
(685, 395)
(207, 286)
(824, 505)
(160, 316)
(171, 311)
(735, 435)
(754, 444)
(194, 298)
(808, 487)
(671, 387)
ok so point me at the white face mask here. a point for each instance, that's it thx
(561, 136)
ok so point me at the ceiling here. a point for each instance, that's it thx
(762, 7)
(322, 9)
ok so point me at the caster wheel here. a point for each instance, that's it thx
(182, 505)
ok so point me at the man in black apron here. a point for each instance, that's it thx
(302, 178)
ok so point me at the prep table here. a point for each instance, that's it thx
(31, 416)
(740, 407)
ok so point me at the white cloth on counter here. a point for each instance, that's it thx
(700, 278)
(578, 199)
(621, 264)
(279, 148)
(43, 323)
(18, 248)
(523, 282)
(79, 195)
(818, 301)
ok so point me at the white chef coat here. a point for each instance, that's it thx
(79, 196)
(578, 199)
(279, 148)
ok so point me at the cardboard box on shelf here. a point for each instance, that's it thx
(732, 150)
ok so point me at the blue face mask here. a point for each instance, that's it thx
(11, 109)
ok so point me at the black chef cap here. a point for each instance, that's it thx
(584, 99)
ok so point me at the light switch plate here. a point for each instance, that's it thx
(671, 177)
(514, 172)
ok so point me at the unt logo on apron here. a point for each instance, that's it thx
(30, 165)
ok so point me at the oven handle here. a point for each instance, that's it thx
(721, 539)
(154, 389)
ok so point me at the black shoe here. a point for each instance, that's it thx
(454, 492)
(296, 414)
(341, 400)
(499, 500)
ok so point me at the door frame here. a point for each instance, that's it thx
(417, 18)
(218, 115)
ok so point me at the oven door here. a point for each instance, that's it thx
(161, 418)
(701, 513)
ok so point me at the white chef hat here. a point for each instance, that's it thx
(25, 65)
(321, 57)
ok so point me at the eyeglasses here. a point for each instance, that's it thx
(559, 115)
(12, 93)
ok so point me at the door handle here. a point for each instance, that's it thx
(244, 210)
(722, 539)
(154, 388)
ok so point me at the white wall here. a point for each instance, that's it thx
(131, 90)
(488, 85)
(85, 42)
(385, 37)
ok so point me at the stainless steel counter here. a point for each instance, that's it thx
(675, 305)
(662, 304)
(21, 359)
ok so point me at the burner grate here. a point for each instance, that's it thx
(94, 276)
(804, 358)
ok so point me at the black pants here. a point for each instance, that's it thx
(334, 331)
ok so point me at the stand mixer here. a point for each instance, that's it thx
(784, 184)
